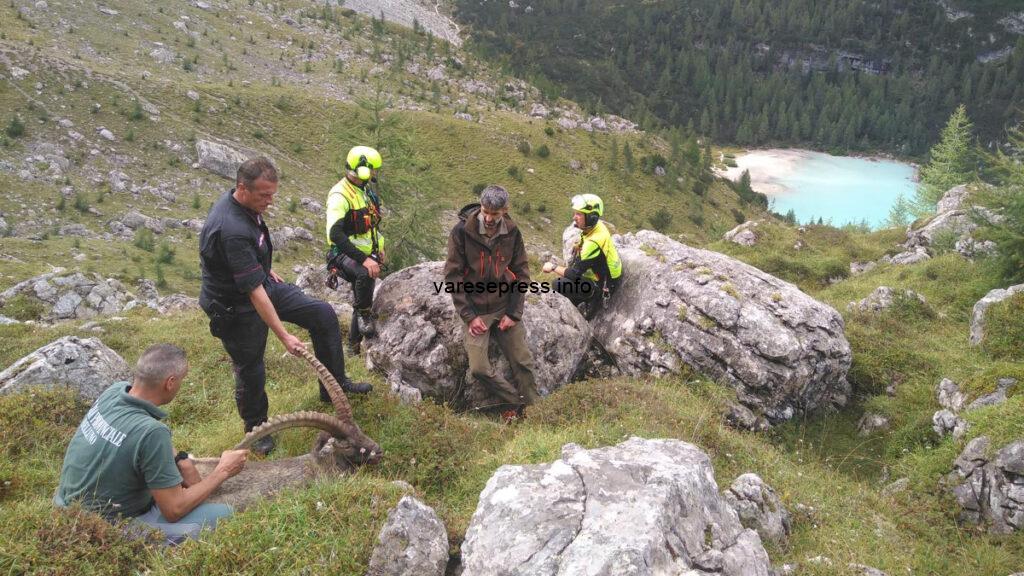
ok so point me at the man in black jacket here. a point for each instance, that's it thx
(243, 297)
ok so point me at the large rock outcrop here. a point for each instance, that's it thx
(643, 507)
(312, 278)
(784, 352)
(981, 307)
(956, 220)
(413, 542)
(65, 296)
(61, 295)
(419, 346)
(221, 159)
(85, 365)
(990, 489)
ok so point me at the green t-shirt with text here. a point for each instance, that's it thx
(119, 453)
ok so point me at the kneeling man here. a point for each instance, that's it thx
(120, 463)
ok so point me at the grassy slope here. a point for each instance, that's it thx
(820, 462)
(304, 118)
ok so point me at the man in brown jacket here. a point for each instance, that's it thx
(486, 264)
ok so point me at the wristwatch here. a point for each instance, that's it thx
(181, 456)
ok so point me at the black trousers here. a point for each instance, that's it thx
(362, 289)
(578, 292)
(245, 340)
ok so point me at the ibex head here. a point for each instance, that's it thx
(342, 444)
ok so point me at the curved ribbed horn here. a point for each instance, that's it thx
(317, 420)
(341, 406)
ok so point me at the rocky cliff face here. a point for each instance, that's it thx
(784, 352)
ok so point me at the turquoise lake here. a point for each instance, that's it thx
(839, 189)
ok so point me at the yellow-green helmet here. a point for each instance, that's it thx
(590, 205)
(361, 159)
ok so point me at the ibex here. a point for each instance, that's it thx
(338, 448)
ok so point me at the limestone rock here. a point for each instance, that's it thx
(419, 345)
(759, 508)
(990, 490)
(73, 295)
(978, 313)
(945, 422)
(745, 234)
(865, 570)
(882, 298)
(312, 278)
(913, 256)
(285, 235)
(643, 507)
(220, 159)
(312, 205)
(85, 365)
(872, 423)
(995, 398)
(950, 396)
(413, 542)
(135, 220)
(784, 352)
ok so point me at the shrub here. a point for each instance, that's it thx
(293, 204)
(137, 112)
(515, 173)
(81, 204)
(543, 151)
(15, 128)
(195, 201)
(144, 239)
(524, 148)
(164, 253)
(661, 219)
(479, 187)
(738, 216)
(161, 280)
(549, 130)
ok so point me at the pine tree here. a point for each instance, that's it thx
(950, 163)
(899, 213)
(1008, 198)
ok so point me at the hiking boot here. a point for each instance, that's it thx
(367, 327)
(263, 446)
(355, 387)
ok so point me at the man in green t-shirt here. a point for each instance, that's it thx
(120, 462)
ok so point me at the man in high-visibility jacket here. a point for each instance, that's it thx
(595, 269)
(355, 244)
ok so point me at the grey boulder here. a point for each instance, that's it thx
(84, 365)
(990, 490)
(220, 159)
(784, 352)
(883, 298)
(981, 307)
(413, 542)
(643, 507)
(759, 508)
(419, 345)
